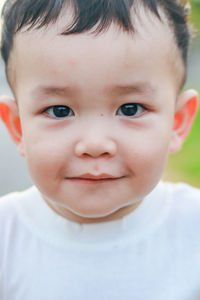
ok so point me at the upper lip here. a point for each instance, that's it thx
(95, 177)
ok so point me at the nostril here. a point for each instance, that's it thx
(105, 155)
(95, 148)
(87, 155)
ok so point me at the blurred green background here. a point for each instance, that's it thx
(185, 165)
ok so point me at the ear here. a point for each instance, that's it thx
(186, 110)
(10, 116)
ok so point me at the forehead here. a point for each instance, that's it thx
(44, 55)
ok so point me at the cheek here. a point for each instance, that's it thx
(148, 152)
(146, 164)
(46, 157)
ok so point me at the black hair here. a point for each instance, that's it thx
(18, 14)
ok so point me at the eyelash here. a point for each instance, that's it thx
(133, 107)
(65, 111)
(127, 110)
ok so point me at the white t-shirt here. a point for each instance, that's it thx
(153, 253)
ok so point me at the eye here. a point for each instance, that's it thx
(59, 111)
(130, 109)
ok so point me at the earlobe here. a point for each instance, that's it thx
(186, 110)
(10, 116)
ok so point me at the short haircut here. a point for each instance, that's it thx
(21, 14)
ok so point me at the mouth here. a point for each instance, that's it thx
(90, 178)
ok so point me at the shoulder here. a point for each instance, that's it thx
(12, 231)
(7, 204)
(184, 206)
(9, 201)
(183, 189)
(179, 197)
(183, 195)
(9, 208)
(14, 197)
(10, 214)
(8, 222)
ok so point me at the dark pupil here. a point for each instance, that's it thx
(61, 111)
(129, 109)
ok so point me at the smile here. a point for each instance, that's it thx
(90, 178)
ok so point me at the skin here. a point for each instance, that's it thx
(95, 76)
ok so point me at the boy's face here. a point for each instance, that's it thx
(96, 114)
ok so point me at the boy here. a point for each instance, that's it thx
(97, 110)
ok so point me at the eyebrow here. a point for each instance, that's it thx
(137, 88)
(50, 90)
(119, 89)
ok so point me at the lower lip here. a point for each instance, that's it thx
(92, 181)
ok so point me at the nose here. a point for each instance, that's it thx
(95, 145)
